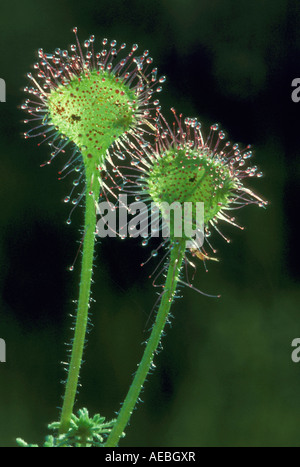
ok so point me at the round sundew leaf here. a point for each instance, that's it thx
(93, 111)
(191, 176)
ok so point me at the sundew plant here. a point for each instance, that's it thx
(99, 110)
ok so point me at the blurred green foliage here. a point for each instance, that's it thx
(225, 377)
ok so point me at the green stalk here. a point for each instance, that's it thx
(83, 304)
(176, 259)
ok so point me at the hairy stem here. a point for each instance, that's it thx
(83, 304)
(176, 259)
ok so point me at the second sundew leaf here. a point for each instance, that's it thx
(183, 175)
(184, 169)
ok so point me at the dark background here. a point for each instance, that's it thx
(225, 377)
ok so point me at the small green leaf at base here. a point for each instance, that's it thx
(83, 432)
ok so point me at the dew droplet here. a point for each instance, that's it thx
(121, 156)
(247, 155)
